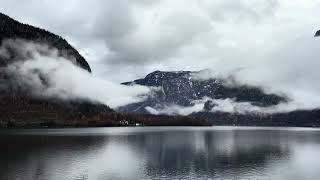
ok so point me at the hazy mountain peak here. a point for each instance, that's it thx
(181, 89)
(12, 29)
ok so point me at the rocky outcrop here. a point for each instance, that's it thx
(182, 88)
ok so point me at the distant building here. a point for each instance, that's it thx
(138, 124)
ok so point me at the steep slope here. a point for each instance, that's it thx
(12, 29)
(17, 104)
(182, 88)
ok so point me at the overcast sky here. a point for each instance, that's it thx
(126, 39)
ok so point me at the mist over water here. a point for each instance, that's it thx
(161, 153)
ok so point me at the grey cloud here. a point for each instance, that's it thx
(241, 10)
(172, 35)
(131, 41)
(114, 20)
(139, 32)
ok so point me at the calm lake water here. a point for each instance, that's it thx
(160, 153)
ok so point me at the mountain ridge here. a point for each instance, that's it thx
(182, 88)
(17, 104)
(12, 29)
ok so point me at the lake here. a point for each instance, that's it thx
(160, 153)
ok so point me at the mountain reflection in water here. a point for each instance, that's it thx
(161, 153)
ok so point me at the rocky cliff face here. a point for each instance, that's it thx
(16, 103)
(317, 34)
(182, 88)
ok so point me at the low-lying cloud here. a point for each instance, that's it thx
(44, 73)
(228, 105)
(291, 70)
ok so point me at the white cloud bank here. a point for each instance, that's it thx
(226, 105)
(46, 74)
